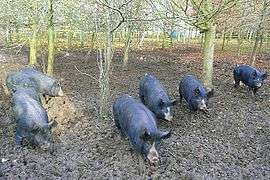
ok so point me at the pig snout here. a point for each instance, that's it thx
(60, 92)
(153, 156)
(202, 105)
(167, 115)
(47, 146)
(259, 84)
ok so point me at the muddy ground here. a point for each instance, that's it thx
(233, 142)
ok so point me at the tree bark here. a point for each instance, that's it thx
(93, 37)
(50, 40)
(259, 33)
(239, 42)
(7, 39)
(163, 39)
(142, 39)
(261, 43)
(33, 45)
(81, 38)
(208, 55)
(250, 35)
(127, 46)
(223, 39)
(104, 63)
(255, 48)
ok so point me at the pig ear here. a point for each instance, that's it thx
(56, 84)
(161, 103)
(210, 93)
(174, 102)
(145, 135)
(52, 124)
(197, 91)
(36, 128)
(165, 135)
(264, 76)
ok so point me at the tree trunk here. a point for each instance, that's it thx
(33, 45)
(178, 36)
(223, 39)
(189, 35)
(163, 39)
(157, 36)
(184, 36)
(261, 44)
(230, 36)
(171, 41)
(81, 38)
(69, 38)
(267, 40)
(208, 55)
(239, 43)
(142, 39)
(259, 33)
(94, 34)
(202, 39)
(255, 48)
(50, 40)
(250, 36)
(7, 39)
(127, 46)
(104, 61)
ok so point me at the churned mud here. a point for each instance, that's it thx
(232, 142)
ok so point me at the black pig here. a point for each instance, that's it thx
(31, 119)
(191, 89)
(250, 76)
(138, 123)
(17, 80)
(155, 97)
(46, 85)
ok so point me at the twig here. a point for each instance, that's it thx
(119, 12)
(85, 73)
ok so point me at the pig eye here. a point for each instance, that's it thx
(56, 84)
(197, 92)
(145, 136)
(161, 103)
(36, 129)
(254, 74)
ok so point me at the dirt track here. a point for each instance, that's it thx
(233, 142)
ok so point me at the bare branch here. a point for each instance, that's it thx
(119, 12)
(125, 4)
(85, 73)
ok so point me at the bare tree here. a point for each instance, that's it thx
(259, 31)
(203, 15)
(50, 39)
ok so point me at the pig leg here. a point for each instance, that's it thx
(236, 82)
(119, 128)
(191, 115)
(255, 90)
(180, 98)
(142, 98)
(18, 138)
(122, 133)
(251, 91)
